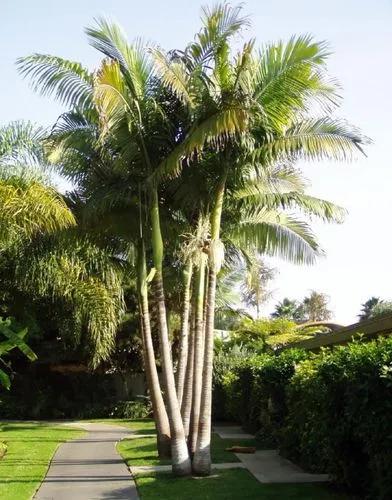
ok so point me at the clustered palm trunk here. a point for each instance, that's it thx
(211, 137)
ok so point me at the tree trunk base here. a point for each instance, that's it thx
(164, 446)
(201, 464)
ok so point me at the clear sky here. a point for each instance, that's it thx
(358, 261)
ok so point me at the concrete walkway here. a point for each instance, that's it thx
(268, 466)
(89, 468)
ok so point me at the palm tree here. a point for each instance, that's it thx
(28, 204)
(315, 307)
(255, 292)
(274, 91)
(42, 254)
(237, 125)
(367, 308)
(288, 309)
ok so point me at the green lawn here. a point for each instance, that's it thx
(139, 426)
(143, 451)
(231, 484)
(30, 447)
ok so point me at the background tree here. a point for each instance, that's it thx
(289, 309)
(255, 291)
(315, 307)
(367, 308)
(382, 308)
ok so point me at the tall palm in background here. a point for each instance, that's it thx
(289, 309)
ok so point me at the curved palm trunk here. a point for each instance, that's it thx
(184, 339)
(188, 385)
(158, 407)
(181, 464)
(202, 457)
(198, 354)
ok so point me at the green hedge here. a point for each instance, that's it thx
(330, 412)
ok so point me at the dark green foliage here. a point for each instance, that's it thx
(41, 394)
(138, 408)
(367, 308)
(339, 416)
(252, 390)
(383, 308)
(329, 412)
(14, 339)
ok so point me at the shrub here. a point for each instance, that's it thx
(329, 412)
(138, 408)
(381, 309)
(252, 390)
(338, 418)
(263, 335)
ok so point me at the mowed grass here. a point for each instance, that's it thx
(139, 426)
(143, 451)
(30, 447)
(232, 484)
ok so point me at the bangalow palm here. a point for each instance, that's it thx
(189, 159)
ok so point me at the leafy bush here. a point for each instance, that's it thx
(338, 418)
(251, 389)
(138, 408)
(381, 309)
(263, 335)
(329, 412)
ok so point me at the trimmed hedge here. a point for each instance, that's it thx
(330, 412)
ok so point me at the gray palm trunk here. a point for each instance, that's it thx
(188, 384)
(202, 456)
(181, 464)
(201, 463)
(158, 406)
(184, 337)
(198, 354)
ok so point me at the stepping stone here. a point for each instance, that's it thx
(268, 466)
(89, 468)
(231, 432)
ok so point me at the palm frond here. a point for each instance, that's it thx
(215, 130)
(21, 142)
(71, 268)
(68, 81)
(175, 76)
(220, 23)
(276, 234)
(133, 59)
(315, 139)
(28, 207)
(294, 200)
(288, 77)
(110, 95)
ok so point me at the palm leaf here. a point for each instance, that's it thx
(68, 81)
(215, 129)
(315, 139)
(277, 234)
(21, 142)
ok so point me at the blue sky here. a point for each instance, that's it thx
(358, 258)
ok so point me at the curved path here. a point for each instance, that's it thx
(89, 468)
